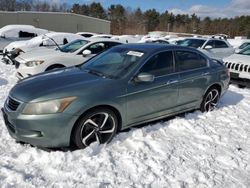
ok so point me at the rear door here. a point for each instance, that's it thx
(194, 77)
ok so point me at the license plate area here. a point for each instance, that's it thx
(234, 75)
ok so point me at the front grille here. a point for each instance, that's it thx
(238, 67)
(8, 124)
(12, 104)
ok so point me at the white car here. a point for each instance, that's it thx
(105, 36)
(12, 33)
(242, 46)
(74, 53)
(239, 67)
(154, 40)
(127, 38)
(49, 40)
(86, 34)
(212, 47)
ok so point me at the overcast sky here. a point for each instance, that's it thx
(212, 8)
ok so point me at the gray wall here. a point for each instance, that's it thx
(61, 22)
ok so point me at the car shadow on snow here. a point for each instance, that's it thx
(230, 98)
(3, 81)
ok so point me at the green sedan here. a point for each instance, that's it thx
(122, 87)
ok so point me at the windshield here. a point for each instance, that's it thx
(73, 46)
(114, 63)
(195, 43)
(41, 39)
(244, 45)
(245, 51)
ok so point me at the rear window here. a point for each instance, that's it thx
(24, 34)
(220, 44)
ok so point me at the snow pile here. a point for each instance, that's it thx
(195, 150)
(44, 39)
(13, 30)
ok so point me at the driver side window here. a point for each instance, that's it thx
(160, 64)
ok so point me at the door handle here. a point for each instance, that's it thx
(205, 73)
(172, 82)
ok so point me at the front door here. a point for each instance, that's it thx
(148, 100)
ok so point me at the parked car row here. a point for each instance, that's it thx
(50, 40)
(12, 33)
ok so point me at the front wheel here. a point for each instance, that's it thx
(99, 125)
(210, 100)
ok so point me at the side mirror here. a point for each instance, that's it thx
(86, 53)
(3, 36)
(144, 77)
(208, 47)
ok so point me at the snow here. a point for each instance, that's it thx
(193, 150)
(13, 30)
(35, 42)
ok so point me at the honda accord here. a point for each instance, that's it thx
(122, 87)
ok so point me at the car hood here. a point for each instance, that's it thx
(38, 54)
(16, 44)
(55, 84)
(238, 58)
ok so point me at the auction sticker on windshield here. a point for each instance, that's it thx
(134, 53)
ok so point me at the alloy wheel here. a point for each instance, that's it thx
(211, 100)
(99, 127)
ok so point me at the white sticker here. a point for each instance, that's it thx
(134, 53)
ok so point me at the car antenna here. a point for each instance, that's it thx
(54, 42)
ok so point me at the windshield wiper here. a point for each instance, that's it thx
(54, 42)
(101, 74)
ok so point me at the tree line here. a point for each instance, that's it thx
(135, 21)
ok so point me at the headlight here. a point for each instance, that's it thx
(34, 63)
(48, 107)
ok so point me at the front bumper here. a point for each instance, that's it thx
(240, 81)
(235, 79)
(50, 131)
(8, 60)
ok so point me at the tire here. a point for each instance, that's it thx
(241, 86)
(98, 125)
(210, 100)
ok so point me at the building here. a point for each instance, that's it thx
(56, 21)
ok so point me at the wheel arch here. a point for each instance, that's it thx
(215, 85)
(114, 109)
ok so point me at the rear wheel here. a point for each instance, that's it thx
(99, 125)
(210, 100)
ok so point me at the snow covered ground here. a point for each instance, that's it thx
(195, 150)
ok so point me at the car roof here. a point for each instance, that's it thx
(102, 40)
(153, 47)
